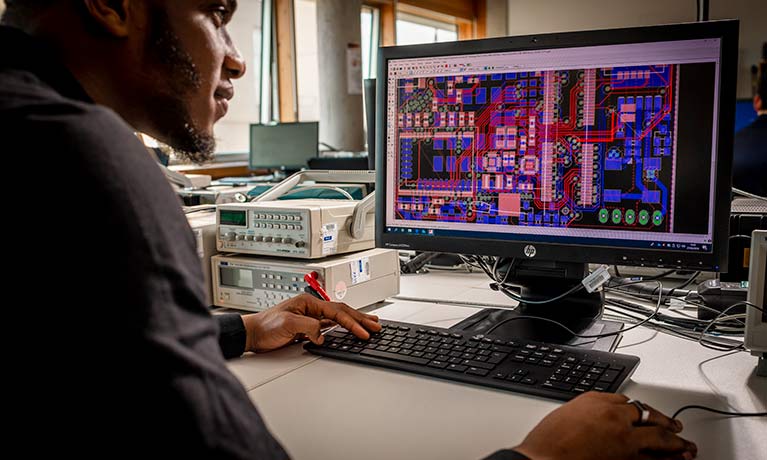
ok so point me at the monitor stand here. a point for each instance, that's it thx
(580, 311)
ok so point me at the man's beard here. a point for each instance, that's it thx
(169, 106)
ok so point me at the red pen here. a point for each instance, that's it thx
(311, 280)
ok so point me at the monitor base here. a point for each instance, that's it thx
(504, 324)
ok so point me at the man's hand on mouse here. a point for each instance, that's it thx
(603, 426)
(303, 316)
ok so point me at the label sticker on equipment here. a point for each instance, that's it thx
(329, 238)
(360, 270)
(341, 290)
(198, 238)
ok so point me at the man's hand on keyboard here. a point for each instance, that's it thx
(603, 426)
(302, 317)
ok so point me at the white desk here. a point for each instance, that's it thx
(326, 409)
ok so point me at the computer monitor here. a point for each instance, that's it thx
(283, 146)
(556, 150)
(370, 117)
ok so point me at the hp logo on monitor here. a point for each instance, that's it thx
(530, 251)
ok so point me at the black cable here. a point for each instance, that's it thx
(330, 147)
(717, 411)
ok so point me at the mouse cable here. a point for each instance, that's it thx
(717, 411)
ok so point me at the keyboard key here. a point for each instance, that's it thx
(481, 358)
(595, 370)
(456, 367)
(586, 383)
(528, 381)
(477, 371)
(478, 364)
(429, 355)
(501, 349)
(601, 365)
(522, 372)
(515, 378)
(499, 375)
(394, 357)
(438, 364)
(609, 376)
(513, 344)
(580, 390)
(557, 385)
(617, 368)
(601, 387)
(404, 328)
(547, 363)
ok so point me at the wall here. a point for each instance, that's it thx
(537, 16)
(753, 32)
(232, 131)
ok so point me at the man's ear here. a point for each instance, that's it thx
(112, 16)
(758, 104)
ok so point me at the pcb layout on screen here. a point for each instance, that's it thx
(498, 143)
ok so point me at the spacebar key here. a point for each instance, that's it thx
(394, 356)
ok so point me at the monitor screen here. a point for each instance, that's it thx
(603, 146)
(283, 145)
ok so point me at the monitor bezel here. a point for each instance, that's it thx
(716, 260)
(251, 153)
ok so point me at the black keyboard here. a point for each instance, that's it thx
(522, 366)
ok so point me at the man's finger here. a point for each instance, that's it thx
(657, 439)
(345, 316)
(326, 323)
(310, 327)
(661, 420)
(657, 418)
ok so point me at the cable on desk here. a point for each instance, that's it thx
(575, 334)
(738, 191)
(717, 411)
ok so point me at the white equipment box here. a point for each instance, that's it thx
(203, 225)
(307, 228)
(257, 283)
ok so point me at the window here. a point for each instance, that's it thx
(370, 31)
(412, 29)
(232, 131)
(307, 64)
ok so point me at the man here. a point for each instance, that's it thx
(134, 363)
(750, 149)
